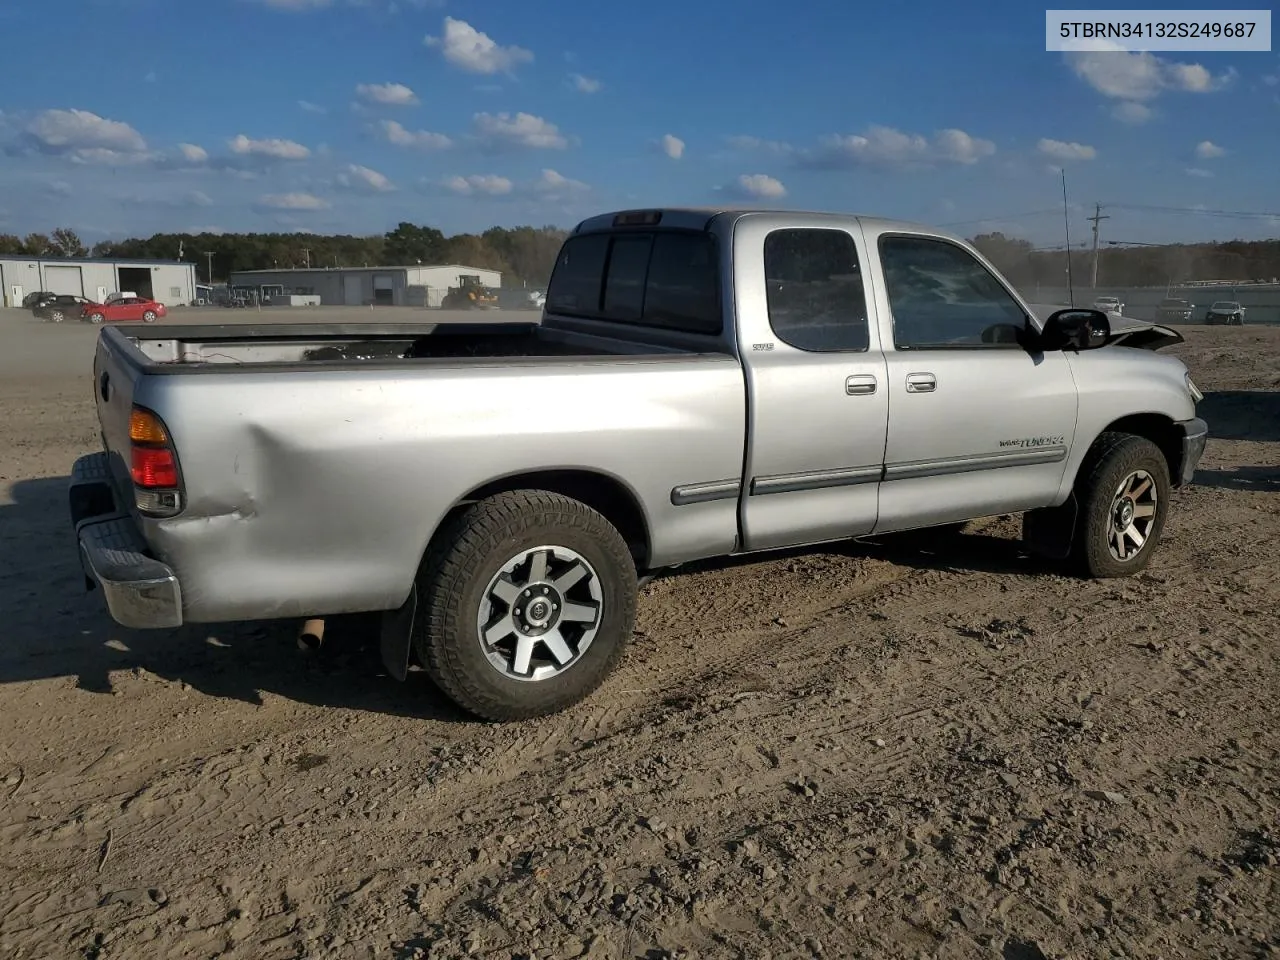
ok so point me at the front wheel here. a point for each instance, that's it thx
(56, 316)
(1123, 493)
(149, 317)
(529, 598)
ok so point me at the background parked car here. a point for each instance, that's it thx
(1174, 309)
(1227, 312)
(124, 308)
(1109, 305)
(60, 307)
(31, 300)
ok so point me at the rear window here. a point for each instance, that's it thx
(666, 280)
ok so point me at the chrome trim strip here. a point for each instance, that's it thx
(988, 461)
(818, 480)
(705, 492)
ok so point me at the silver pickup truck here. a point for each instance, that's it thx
(701, 384)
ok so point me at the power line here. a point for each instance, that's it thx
(1234, 214)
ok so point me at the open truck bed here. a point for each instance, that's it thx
(276, 345)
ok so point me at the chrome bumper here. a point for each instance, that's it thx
(140, 591)
(1195, 433)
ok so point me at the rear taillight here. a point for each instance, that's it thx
(153, 465)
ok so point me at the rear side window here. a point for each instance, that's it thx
(665, 280)
(814, 289)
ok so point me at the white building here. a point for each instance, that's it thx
(170, 282)
(363, 286)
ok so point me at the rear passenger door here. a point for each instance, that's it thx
(816, 385)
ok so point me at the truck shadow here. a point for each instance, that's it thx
(1266, 479)
(1242, 415)
(54, 629)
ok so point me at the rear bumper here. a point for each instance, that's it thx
(1195, 433)
(140, 591)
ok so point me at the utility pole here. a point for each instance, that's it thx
(306, 252)
(209, 254)
(1097, 217)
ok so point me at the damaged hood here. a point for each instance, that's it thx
(1125, 331)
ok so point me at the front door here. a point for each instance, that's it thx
(815, 386)
(978, 424)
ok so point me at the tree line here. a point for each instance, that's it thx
(1131, 266)
(526, 255)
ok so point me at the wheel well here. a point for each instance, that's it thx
(1160, 430)
(601, 493)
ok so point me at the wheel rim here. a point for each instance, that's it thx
(1133, 515)
(56, 316)
(540, 613)
(149, 317)
(95, 318)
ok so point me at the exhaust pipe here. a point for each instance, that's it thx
(311, 634)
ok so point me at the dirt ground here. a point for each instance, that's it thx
(925, 747)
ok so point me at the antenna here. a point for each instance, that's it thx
(1066, 226)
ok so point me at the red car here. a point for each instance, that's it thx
(124, 308)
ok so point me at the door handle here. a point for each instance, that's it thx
(921, 383)
(860, 385)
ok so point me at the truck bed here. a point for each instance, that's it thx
(271, 346)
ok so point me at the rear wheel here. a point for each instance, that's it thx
(96, 318)
(529, 598)
(56, 316)
(1123, 492)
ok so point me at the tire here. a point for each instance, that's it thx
(1120, 468)
(96, 318)
(482, 564)
(56, 316)
(149, 317)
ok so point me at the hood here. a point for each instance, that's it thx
(1125, 331)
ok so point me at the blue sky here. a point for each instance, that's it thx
(128, 117)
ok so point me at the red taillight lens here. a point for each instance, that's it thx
(154, 467)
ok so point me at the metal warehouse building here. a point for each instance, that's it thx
(363, 286)
(171, 282)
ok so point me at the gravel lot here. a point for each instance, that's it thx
(928, 746)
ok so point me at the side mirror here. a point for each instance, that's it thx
(1075, 329)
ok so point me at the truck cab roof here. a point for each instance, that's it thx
(700, 218)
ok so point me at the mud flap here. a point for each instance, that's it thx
(1050, 531)
(397, 635)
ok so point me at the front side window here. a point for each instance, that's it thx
(941, 297)
(814, 290)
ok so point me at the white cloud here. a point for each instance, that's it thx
(489, 184)
(1142, 76)
(584, 84)
(199, 198)
(86, 137)
(192, 153)
(292, 201)
(468, 49)
(1271, 79)
(1130, 111)
(759, 186)
(553, 184)
(275, 149)
(1062, 151)
(308, 107)
(672, 146)
(521, 130)
(58, 188)
(421, 139)
(885, 146)
(357, 177)
(1197, 172)
(387, 94)
(1208, 150)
